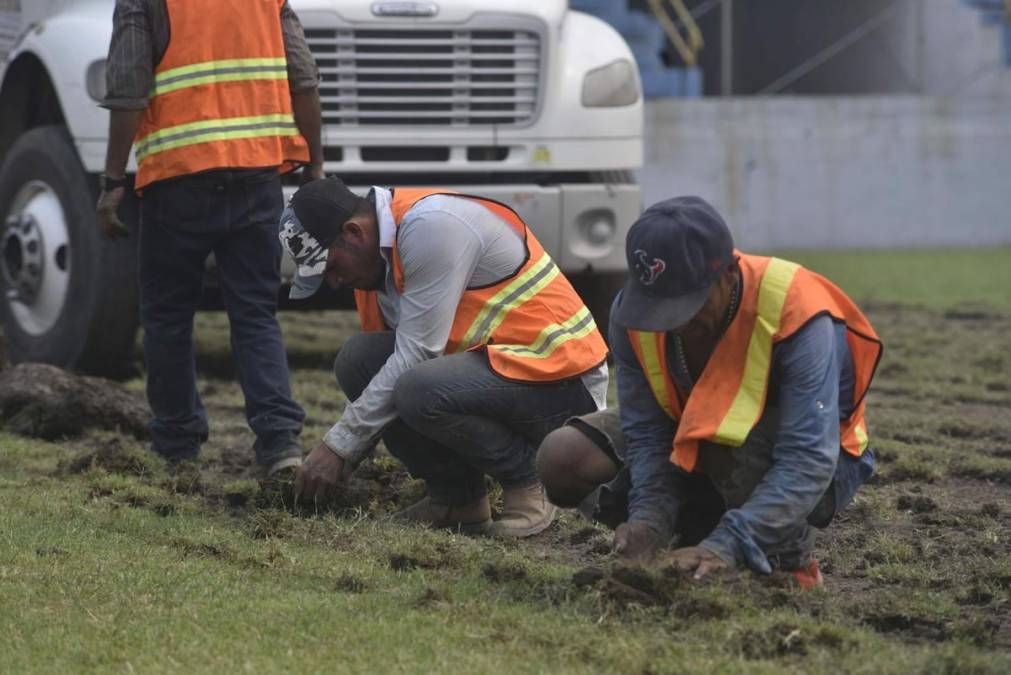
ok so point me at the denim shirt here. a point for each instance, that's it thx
(810, 373)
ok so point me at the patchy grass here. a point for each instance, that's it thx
(109, 562)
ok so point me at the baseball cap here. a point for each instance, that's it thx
(311, 221)
(676, 250)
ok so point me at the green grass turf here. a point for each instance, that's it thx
(939, 279)
(123, 568)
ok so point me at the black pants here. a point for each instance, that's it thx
(234, 215)
(458, 420)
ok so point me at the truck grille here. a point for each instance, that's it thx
(427, 77)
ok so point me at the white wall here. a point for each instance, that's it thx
(892, 171)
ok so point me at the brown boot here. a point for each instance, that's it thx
(525, 512)
(473, 518)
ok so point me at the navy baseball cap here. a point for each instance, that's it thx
(312, 220)
(676, 250)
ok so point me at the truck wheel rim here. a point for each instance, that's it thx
(35, 258)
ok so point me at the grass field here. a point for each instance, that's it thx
(110, 564)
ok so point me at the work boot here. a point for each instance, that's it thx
(473, 518)
(525, 512)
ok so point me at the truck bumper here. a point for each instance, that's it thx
(581, 225)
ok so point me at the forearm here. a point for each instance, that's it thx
(306, 108)
(365, 418)
(648, 433)
(123, 126)
(434, 284)
(656, 484)
(777, 510)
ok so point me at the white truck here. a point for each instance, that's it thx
(525, 101)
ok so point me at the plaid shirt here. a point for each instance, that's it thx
(140, 36)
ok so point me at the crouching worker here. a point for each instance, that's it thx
(474, 347)
(741, 384)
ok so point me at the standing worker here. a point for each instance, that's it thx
(741, 385)
(476, 347)
(219, 98)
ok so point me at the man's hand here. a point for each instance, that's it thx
(319, 474)
(311, 172)
(697, 561)
(637, 542)
(108, 218)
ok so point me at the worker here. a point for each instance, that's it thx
(475, 347)
(218, 99)
(740, 426)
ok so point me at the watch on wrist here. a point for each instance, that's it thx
(107, 182)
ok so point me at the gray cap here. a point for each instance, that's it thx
(307, 252)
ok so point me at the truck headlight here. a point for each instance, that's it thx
(94, 80)
(613, 85)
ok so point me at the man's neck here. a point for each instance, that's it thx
(699, 347)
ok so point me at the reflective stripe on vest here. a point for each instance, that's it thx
(729, 398)
(553, 336)
(496, 309)
(215, 130)
(220, 97)
(227, 70)
(648, 348)
(532, 325)
(747, 407)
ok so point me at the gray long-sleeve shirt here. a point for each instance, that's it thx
(485, 250)
(140, 36)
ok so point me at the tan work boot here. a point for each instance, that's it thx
(473, 518)
(525, 512)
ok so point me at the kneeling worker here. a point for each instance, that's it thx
(475, 347)
(741, 384)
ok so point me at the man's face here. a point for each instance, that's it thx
(708, 322)
(354, 260)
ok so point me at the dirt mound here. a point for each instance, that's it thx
(115, 457)
(45, 402)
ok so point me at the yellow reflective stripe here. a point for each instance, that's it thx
(553, 336)
(861, 433)
(225, 70)
(495, 310)
(654, 369)
(747, 405)
(214, 65)
(216, 78)
(215, 130)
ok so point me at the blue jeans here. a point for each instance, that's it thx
(459, 421)
(234, 215)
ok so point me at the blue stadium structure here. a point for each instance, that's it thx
(998, 13)
(647, 39)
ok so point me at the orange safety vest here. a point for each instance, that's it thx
(779, 298)
(533, 325)
(220, 97)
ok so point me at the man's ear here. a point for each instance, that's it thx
(353, 233)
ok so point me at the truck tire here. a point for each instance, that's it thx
(68, 295)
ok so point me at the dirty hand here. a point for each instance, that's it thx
(311, 172)
(636, 542)
(318, 475)
(108, 219)
(697, 560)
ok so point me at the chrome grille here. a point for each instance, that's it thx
(427, 77)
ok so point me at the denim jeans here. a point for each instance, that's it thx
(458, 421)
(234, 215)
